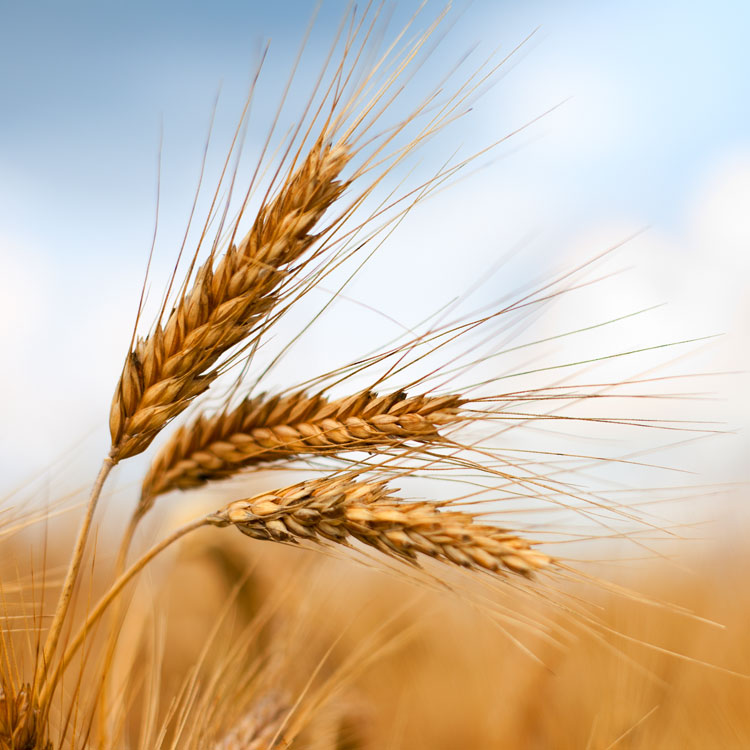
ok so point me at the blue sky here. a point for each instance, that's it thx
(659, 88)
(656, 118)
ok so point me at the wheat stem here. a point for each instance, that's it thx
(63, 604)
(122, 557)
(110, 596)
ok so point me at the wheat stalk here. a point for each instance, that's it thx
(336, 509)
(283, 427)
(225, 305)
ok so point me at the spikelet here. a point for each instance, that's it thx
(336, 509)
(20, 725)
(282, 427)
(225, 305)
(258, 728)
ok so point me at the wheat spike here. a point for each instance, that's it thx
(338, 508)
(21, 727)
(258, 728)
(225, 305)
(282, 427)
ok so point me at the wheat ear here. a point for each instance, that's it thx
(282, 427)
(339, 508)
(21, 724)
(224, 306)
(259, 728)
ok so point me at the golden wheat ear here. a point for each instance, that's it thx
(259, 727)
(21, 723)
(337, 509)
(281, 428)
(225, 305)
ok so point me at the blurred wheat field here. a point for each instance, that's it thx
(430, 671)
(445, 678)
(480, 522)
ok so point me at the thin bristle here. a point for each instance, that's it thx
(225, 305)
(339, 508)
(282, 427)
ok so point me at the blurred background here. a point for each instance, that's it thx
(651, 134)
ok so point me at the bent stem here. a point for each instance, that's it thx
(108, 598)
(112, 637)
(63, 604)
